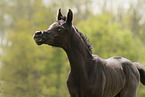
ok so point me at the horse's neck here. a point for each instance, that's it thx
(79, 56)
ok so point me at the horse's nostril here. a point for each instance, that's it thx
(38, 33)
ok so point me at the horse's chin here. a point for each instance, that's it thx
(39, 40)
(39, 43)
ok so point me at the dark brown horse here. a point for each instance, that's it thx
(90, 75)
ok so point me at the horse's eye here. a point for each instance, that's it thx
(59, 29)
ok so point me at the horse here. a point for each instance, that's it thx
(90, 75)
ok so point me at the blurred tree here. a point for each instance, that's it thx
(136, 15)
(3, 22)
(109, 39)
(81, 8)
(18, 75)
(27, 70)
(28, 75)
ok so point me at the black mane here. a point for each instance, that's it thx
(85, 39)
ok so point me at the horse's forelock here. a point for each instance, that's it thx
(63, 18)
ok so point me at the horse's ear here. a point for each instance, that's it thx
(69, 16)
(59, 15)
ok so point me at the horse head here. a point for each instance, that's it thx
(58, 33)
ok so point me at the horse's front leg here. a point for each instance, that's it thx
(73, 89)
(73, 92)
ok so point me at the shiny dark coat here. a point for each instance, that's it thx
(90, 75)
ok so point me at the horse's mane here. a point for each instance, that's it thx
(85, 39)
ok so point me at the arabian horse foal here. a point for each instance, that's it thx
(90, 75)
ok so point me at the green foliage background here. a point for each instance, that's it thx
(28, 70)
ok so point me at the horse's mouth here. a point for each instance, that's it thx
(39, 40)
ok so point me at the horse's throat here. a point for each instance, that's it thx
(78, 58)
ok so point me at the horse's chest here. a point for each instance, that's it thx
(79, 88)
